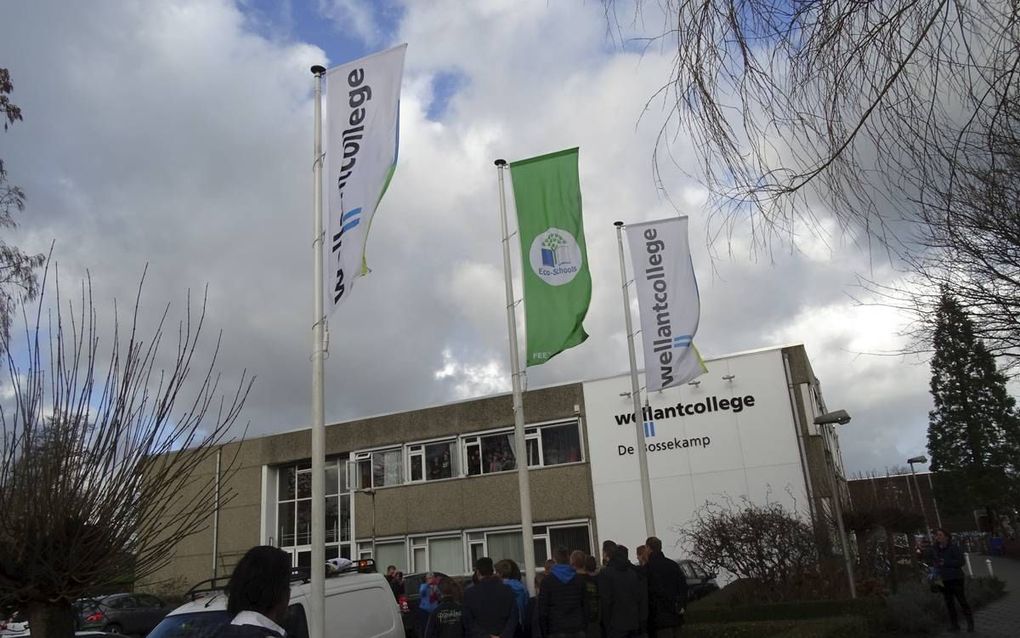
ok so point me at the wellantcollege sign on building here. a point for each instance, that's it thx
(434, 489)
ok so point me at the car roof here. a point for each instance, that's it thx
(217, 600)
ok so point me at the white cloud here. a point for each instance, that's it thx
(175, 135)
(354, 16)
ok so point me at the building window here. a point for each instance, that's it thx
(491, 453)
(546, 445)
(560, 444)
(381, 468)
(433, 461)
(294, 510)
(386, 553)
(446, 555)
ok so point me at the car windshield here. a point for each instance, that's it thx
(201, 624)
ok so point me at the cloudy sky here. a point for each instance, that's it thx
(178, 135)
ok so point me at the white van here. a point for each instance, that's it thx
(357, 604)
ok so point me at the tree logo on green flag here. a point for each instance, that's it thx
(555, 257)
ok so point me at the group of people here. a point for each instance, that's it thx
(576, 598)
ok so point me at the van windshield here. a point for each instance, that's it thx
(201, 624)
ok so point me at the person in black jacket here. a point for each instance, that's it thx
(667, 592)
(489, 605)
(258, 595)
(624, 595)
(949, 561)
(447, 619)
(561, 612)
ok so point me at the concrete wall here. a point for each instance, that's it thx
(558, 493)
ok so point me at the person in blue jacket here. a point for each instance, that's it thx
(949, 561)
(428, 599)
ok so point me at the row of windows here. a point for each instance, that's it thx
(294, 506)
(455, 552)
(472, 455)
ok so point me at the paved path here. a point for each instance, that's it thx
(1000, 619)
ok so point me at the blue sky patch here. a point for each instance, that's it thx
(445, 85)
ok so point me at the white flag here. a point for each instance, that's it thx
(362, 110)
(668, 301)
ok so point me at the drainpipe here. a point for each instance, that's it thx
(216, 516)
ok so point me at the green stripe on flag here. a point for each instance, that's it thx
(557, 282)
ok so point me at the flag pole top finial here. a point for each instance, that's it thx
(617, 224)
(318, 69)
(500, 163)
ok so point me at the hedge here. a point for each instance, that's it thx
(784, 611)
(847, 627)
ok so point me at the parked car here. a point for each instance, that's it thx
(15, 627)
(359, 602)
(409, 601)
(128, 614)
(700, 583)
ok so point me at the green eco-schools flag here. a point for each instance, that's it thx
(557, 282)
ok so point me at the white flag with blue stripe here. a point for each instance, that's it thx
(363, 109)
(668, 301)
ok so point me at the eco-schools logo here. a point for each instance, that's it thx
(555, 257)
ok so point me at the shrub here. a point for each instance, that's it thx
(765, 544)
(800, 610)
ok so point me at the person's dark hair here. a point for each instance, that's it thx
(590, 564)
(654, 544)
(561, 555)
(944, 531)
(608, 546)
(484, 566)
(261, 580)
(449, 588)
(508, 569)
(620, 554)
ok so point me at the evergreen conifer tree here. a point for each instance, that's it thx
(974, 430)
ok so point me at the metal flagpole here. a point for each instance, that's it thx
(523, 483)
(317, 617)
(635, 395)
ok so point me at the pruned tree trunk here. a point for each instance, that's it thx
(51, 619)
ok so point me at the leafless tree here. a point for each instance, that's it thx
(967, 241)
(99, 451)
(855, 108)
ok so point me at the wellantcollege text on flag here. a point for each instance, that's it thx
(363, 109)
(554, 260)
(668, 301)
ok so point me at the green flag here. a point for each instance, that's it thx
(557, 282)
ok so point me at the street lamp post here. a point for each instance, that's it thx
(917, 487)
(830, 419)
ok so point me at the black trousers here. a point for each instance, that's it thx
(953, 590)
